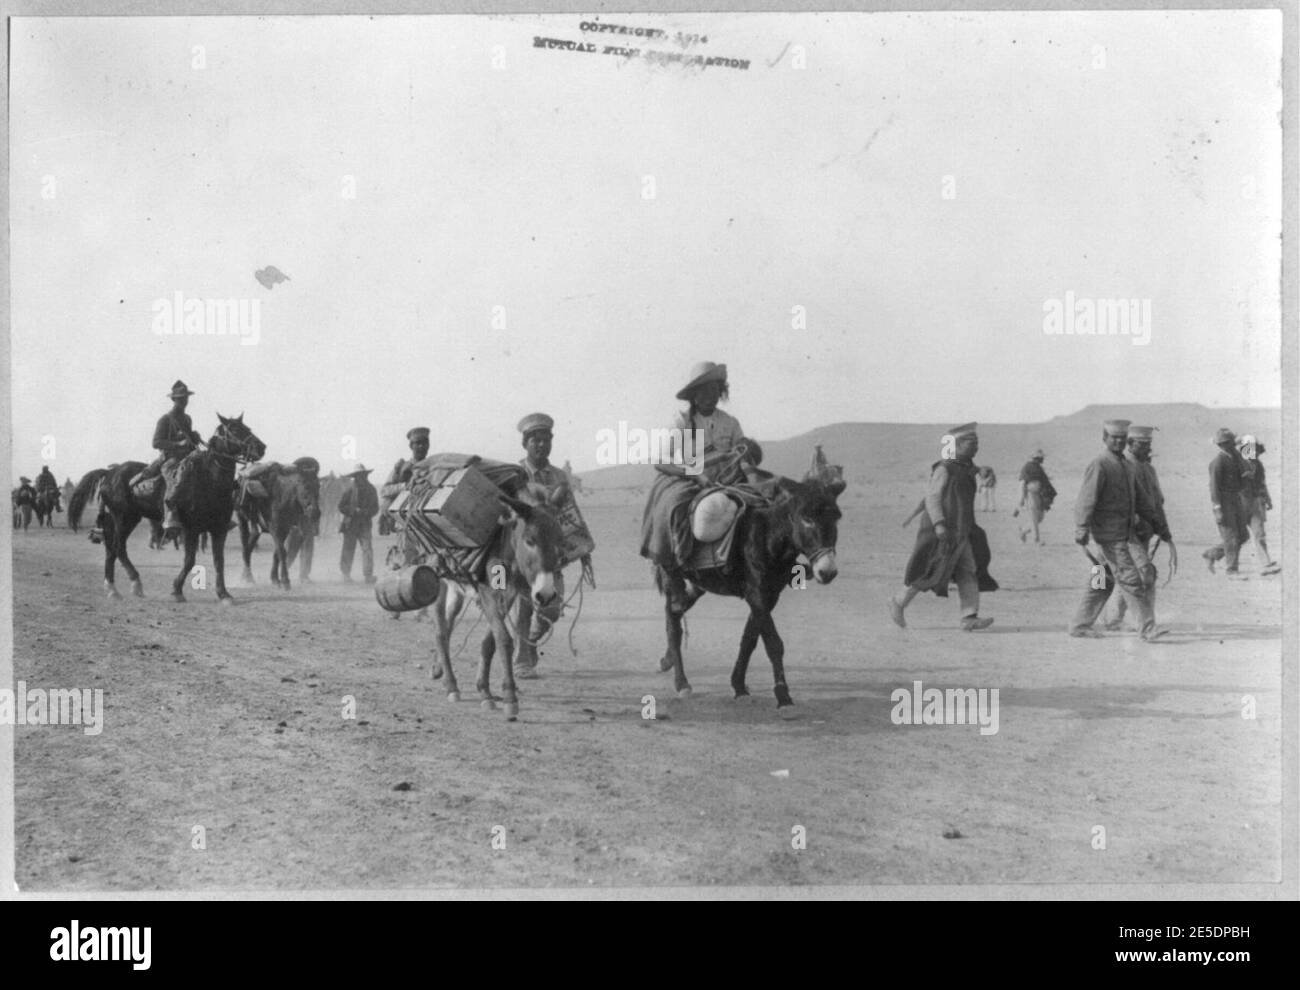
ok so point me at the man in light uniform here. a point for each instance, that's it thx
(1139, 456)
(1109, 502)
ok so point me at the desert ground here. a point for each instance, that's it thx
(232, 719)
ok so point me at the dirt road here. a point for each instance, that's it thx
(226, 724)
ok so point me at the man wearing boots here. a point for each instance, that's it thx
(1139, 456)
(175, 439)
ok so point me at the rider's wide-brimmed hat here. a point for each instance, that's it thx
(24, 481)
(702, 373)
(1224, 435)
(1037, 455)
(360, 472)
(179, 389)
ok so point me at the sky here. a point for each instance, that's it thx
(870, 222)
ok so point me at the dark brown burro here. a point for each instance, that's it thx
(802, 518)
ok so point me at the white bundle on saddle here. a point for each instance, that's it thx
(713, 516)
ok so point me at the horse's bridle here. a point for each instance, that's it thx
(227, 440)
(818, 554)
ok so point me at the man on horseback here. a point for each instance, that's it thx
(417, 439)
(174, 437)
(46, 482)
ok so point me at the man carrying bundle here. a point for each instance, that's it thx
(1036, 496)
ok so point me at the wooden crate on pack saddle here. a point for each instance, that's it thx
(450, 508)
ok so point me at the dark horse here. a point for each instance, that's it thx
(524, 559)
(292, 503)
(46, 504)
(206, 507)
(802, 519)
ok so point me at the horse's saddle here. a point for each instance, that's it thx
(725, 511)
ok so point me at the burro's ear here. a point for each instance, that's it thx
(222, 418)
(521, 509)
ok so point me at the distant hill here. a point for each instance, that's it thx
(891, 452)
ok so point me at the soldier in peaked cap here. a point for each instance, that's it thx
(1109, 502)
(949, 544)
(1139, 459)
(417, 438)
(357, 507)
(1226, 470)
(1256, 502)
(537, 431)
(175, 439)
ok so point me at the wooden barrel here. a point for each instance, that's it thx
(408, 589)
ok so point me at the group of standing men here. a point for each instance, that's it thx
(1119, 521)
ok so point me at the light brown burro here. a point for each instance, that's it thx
(523, 559)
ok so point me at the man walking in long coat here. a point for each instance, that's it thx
(949, 545)
(1226, 470)
(1109, 502)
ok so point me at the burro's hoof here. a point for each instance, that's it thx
(137, 588)
(453, 696)
(488, 705)
(226, 600)
(178, 597)
(111, 591)
(684, 692)
(665, 664)
(512, 710)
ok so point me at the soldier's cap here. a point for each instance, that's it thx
(1141, 432)
(24, 481)
(703, 372)
(535, 422)
(417, 433)
(360, 471)
(1038, 454)
(965, 430)
(179, 388)
(1116, 427)
(1224, 435)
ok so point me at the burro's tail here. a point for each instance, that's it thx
(82, 494)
